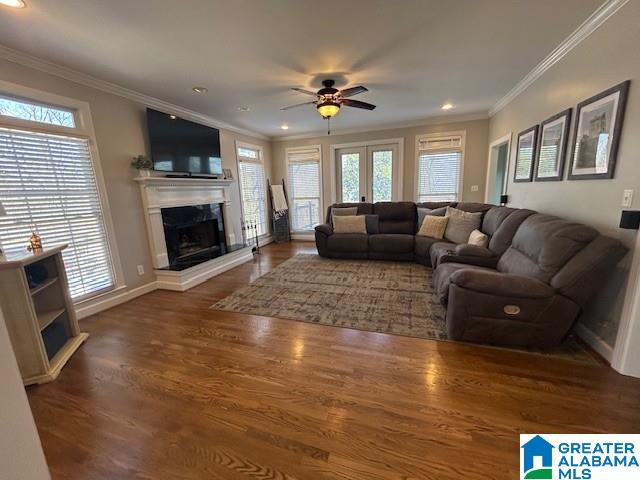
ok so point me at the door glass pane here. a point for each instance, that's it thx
(382, 175)
(350, 174)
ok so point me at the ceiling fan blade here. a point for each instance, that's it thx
(298, 105)
(350, 92)
(306, 92)
(358, 104)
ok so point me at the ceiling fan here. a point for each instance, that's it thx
(329, 100)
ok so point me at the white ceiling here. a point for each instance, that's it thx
(413, 55)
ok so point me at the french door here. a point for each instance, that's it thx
(367, 173)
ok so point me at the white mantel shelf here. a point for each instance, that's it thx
(186, 181)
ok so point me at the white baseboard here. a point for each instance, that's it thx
(305, 237)
(86, 309)
(594, 341)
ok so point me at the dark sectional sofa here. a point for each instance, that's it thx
(527, 288)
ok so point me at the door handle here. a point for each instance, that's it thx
(362, 199)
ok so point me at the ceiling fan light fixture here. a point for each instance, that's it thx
(328, 108)
(13, 3)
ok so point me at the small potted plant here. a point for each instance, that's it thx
(142, 164)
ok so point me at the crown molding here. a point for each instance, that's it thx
(591, 24)
(36, 63)
(439, 120)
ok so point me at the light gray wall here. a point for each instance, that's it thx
(606, 58)
(475, 158)
(21, 456)
(120, 128)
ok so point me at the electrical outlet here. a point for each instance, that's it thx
(627, 198)
(474, 188)
(140, 270)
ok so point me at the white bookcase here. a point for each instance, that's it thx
(40, 317)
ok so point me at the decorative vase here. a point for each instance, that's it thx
(144, 172)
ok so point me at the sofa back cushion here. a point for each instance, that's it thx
(396, 217)
(474, 207)
(543, 244)
(363, 209)
(501, 224)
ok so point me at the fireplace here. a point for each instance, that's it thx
(193, 234)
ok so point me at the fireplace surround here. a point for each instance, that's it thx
(191, 237)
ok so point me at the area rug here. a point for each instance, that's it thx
(377, 296)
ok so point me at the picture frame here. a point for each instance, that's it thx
(552, 147)
(596, 136)
(227, 174)
(525, 154)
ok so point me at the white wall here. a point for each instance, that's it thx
(606, 58)
(21, 456)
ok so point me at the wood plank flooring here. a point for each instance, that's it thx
(166, 388)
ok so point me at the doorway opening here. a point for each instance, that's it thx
(498, 170)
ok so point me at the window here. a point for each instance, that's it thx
(439, 167)
(33, 112)
(304, 169)
(252, 186)
(47, 183)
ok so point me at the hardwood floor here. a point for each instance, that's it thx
(166, 388)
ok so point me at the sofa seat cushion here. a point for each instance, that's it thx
(442, 277)
(423, 245)
(348, 242)
(391, 243)
(440, 249)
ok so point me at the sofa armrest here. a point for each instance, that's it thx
(502, 284)
(325, 228)
(468, 250)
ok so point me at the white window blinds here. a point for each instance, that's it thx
(304, 172)
(252, 188)
(439, 164)
(47, 183)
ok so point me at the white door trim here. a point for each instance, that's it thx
(505, 139)
(372, 143)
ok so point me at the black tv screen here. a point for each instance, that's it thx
(181, 146)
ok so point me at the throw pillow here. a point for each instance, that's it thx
(433, 226)
(336, 212)
(478, 238)
(461, 224)
(423, 212)
(350, 224)
(373, 224)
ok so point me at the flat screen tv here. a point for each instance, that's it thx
(183, 147)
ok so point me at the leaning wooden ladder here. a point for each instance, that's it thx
(280, 218)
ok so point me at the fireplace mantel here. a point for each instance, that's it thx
(163, 192)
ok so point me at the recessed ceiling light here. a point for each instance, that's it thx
(284, 126)
(447, 106)
(200, 89)
(172, 117)
(13, 3)
(244, 109)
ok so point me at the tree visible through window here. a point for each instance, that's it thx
(350, 172)
(382, 175)
(33, 112)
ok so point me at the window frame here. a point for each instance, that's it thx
(84, 129)
(238, 145)
(289, 151)
(434, 136)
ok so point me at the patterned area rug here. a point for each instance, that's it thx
(377, 296)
